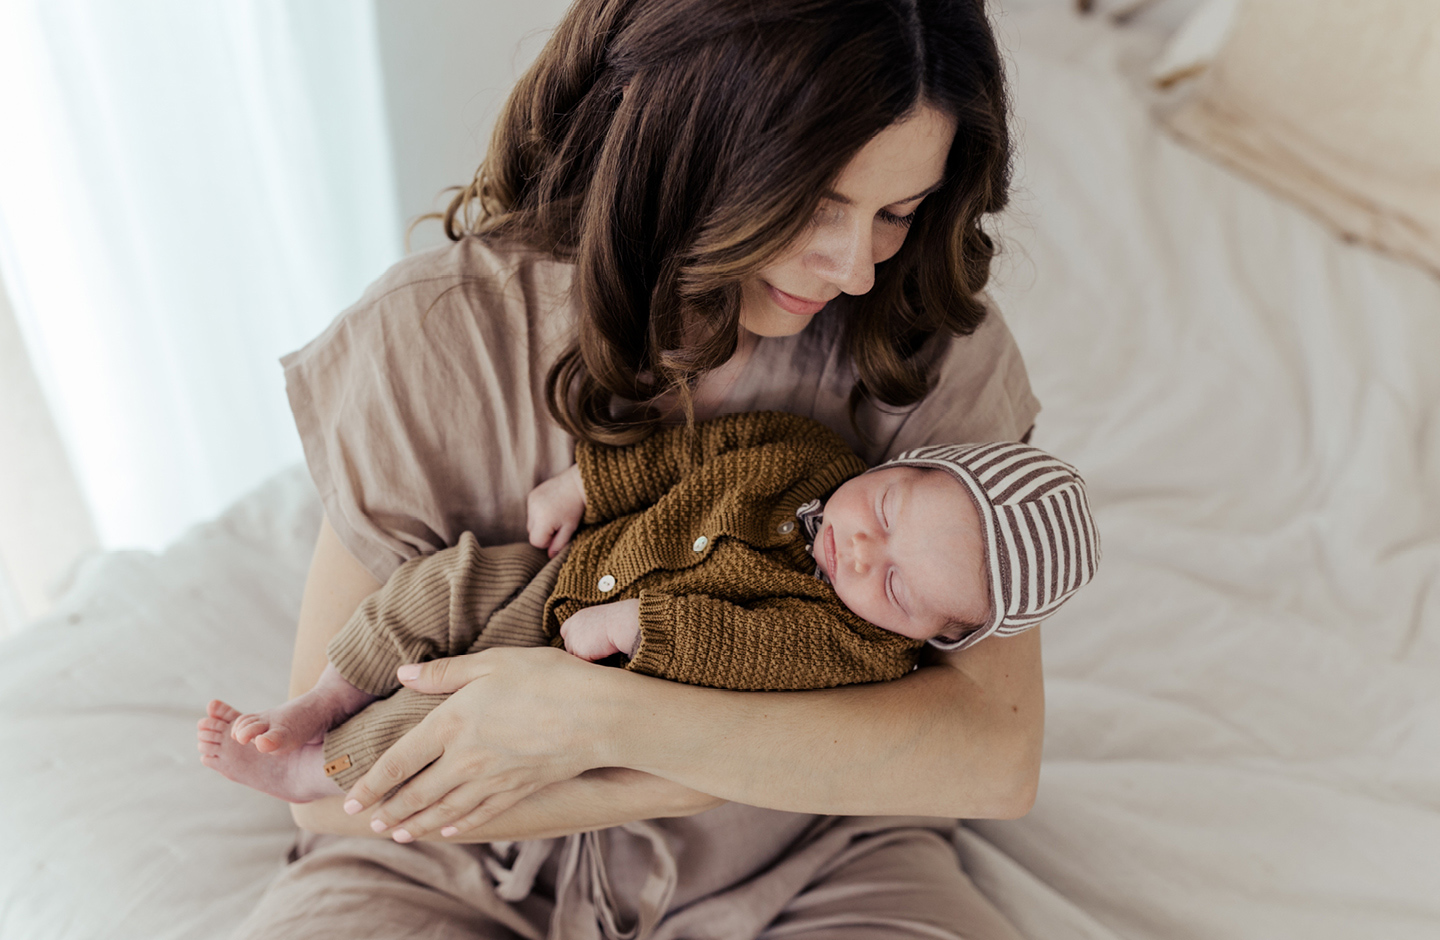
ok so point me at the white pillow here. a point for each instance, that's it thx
(1196, 43)
(1335, 104)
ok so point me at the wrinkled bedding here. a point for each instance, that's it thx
(1243, 708)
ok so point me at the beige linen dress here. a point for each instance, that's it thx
(421, 410)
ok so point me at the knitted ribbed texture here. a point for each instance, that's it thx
(700, 526)
(370, 733)
(437, 605)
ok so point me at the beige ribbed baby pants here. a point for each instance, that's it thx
(460, 600)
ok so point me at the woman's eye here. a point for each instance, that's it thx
(902, 221)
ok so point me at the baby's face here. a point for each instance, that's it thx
(904, 550)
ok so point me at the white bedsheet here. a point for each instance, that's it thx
(1244, 708)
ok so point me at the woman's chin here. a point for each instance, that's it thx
(771, 320)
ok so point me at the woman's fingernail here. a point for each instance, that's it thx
(377, 826)
(353, 806)
(407, 673)
(448, 831)
(400, 835)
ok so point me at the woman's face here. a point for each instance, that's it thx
(861, 222)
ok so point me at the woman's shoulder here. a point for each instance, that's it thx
(421, 408)
(471, 279)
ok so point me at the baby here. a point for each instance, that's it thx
(706, 556)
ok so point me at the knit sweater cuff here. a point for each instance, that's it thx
(656, 651)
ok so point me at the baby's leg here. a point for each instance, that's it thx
(352, 748)
(286, 760)
(303, 719)
(297, 776)
(518, 584)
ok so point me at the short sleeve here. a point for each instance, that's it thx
(421, 409)
(981, 392)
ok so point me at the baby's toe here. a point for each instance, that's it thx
(246, 727)
(220, 711)
(270, 741)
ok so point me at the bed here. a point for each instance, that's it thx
(1244, 708)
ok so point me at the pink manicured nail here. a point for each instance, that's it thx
(407, 673)
(353, 806)
(400, 835)
(448, 831)
(377, 826)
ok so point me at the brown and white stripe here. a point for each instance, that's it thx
(1041, 545)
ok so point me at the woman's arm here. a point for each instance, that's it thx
(960, 737)
(334, 588)
(597, 799)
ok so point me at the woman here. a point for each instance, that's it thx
(690, 207)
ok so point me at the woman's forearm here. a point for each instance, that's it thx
(960, 737)
(597, 799)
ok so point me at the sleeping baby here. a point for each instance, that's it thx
(750, 552)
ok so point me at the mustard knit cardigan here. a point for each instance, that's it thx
(700, 526)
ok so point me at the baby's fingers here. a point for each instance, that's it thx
(561, 538)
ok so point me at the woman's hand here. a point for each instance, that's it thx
(517, 722)
(554, 510)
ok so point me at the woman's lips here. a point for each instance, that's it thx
(796, 305)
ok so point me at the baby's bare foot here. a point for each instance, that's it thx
(297, 777)
(303, 719)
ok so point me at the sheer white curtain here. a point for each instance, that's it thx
(188, 189)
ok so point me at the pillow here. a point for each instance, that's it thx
(1336, 105)
(1196, 43)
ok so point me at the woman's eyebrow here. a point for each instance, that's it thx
(833, 196)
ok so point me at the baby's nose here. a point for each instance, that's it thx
(862, 552)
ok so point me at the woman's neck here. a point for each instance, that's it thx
(713, 388)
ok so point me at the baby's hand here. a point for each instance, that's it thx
(603, 630)
(554, 510)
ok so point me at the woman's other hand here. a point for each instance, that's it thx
(603, 630)
(512, 726)
(554, 510)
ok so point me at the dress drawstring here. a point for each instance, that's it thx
(584, 901)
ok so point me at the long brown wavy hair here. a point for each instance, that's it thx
(673, 148)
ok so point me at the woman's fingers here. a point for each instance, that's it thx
(433, 786)
(461, 810)
(482, 814)
(406, 758)
(443, 676)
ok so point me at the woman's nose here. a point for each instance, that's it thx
(846, 259)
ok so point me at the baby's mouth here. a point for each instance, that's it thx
(830, 552)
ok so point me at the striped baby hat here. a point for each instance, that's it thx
(1040, 542)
